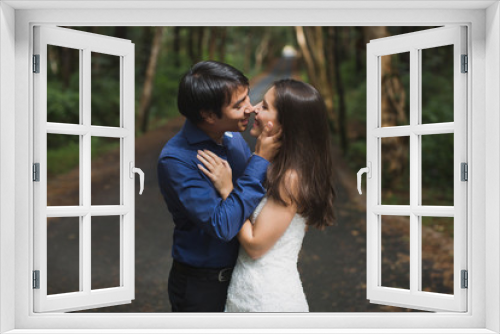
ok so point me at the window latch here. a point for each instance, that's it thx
(133, 170)
(368, 171)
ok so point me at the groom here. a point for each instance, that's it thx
(214, 98)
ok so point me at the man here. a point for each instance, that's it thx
(214, 98)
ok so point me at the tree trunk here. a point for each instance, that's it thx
(261, 51)
(222, 44)
(248, 52)
(340, 92)
(324, 85)
(312, 46)
(191, 45)
(212, 44)
(149, 79)
(199, 47)
(301, 40)
(67, 61)
(360, 46)
(177, 47)
(330, 70)
(142, 59)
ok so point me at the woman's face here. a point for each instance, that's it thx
(265, 112)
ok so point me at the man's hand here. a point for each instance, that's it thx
(267, 146)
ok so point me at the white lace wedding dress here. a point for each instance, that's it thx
(270, 283)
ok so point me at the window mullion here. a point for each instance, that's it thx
(415, 249)
(85, 246)
(81, 231)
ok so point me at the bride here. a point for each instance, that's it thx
(300, 193)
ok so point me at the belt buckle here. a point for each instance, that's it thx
(224, 274)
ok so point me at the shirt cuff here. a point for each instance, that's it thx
(257, 167)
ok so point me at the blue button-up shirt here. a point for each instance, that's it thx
(206, 225)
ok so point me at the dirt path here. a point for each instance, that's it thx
(332, 263)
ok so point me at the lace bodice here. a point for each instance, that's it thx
(270, 283)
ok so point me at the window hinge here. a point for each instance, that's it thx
(36, 63)
(464, 172)
(465, 64)
(36, 279)
(36, 172)
(465, 279)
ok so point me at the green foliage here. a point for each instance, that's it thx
(101, 145)
(63, 102)
(64, 157)
(356, 155)
(65, 154)
(437, 161)
(105, 90)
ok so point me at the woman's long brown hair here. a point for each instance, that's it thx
(306, 149)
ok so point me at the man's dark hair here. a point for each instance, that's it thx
(208, 86)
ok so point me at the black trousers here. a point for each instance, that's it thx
(197, 291)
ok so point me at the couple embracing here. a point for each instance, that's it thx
(240, 218)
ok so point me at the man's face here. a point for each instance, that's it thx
(235, 115)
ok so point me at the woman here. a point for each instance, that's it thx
(300, 193)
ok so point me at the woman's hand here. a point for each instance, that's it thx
(218, 171)
(267, 145)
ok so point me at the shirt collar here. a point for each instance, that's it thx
(195, 135)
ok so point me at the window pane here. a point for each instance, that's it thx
(105, 91)
(395, 89)
(105, 171)
(395, 171)
(63, 255)
(63, 85)
(105, 252)
(63, 170)
(437, 84)
(396, 252)
(437, 254)
(437, 169)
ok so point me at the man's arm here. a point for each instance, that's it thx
(202, 204)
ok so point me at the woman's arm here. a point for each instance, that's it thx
(271, 223)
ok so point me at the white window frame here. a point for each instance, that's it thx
(86, 44)
(483, 123)
(414, 44)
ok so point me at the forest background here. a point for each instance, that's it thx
(333, 59)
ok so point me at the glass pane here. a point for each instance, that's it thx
(395, 89)
(105, 252)
(437, 254)
(105, 91)
(63, 85)
(396, 252)
(63, 255)
(395, 170)
(63, 170)
(437, 84)
(437, 169)
(105, 171)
